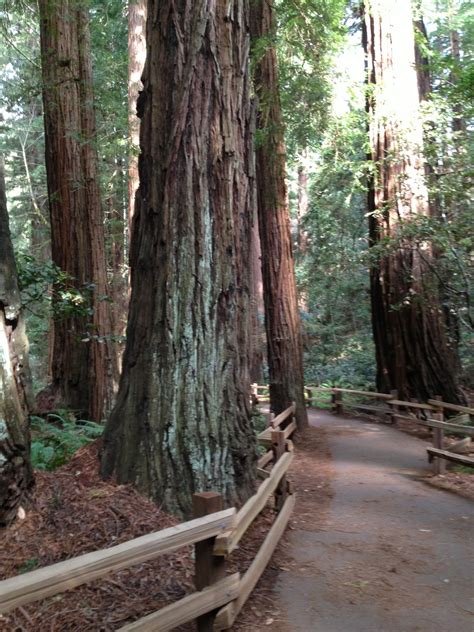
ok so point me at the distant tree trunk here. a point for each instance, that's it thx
(16, 475)
(412, 349)
(136, 63)
(281, 307)
(182, 420)
(303, 206)
(459, 124)
(116, 236)
(256, 307)
(303, 201)
(79, 366)
(257, 310)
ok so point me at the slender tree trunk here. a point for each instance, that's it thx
(303, 206)
(412, 350)
(136, 63)
(257, 329)
(281, 307)
(257, 332)
(422, 62)
(79, 367)
(116, 222)
(182, 419)
(16, 475)
(100, 396)
(303, 201)
(459, 124)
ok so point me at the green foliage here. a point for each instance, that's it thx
(47, 293)
(55, 440)
(332, 271)
(309, 34)
(346, 362)
(109, 38)
(259, 421)
(29, 565)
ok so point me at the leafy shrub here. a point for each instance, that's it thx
(348, 364)
(56, 439)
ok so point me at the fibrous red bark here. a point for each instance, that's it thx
(80, 355)
(182, 419)
(282, 322)
(412, 349)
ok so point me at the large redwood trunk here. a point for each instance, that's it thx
(182, 419)
(282, 320)
(16, 475)
(80, 356)
(412, 350)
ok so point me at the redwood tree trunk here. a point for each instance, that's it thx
(282, 321)
(16, 476)
(182, 419)
(412, 350)
(79, 365)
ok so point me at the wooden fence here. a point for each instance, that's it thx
(214, 531)
(431, 414)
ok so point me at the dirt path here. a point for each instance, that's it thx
(387, 553)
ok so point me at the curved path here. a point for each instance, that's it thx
(390, 554)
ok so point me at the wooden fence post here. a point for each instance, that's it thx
(439, 465)
(209, 567)
(309, 393)
(270, 418)
(395, 408)
(336, 402)
(254, 394)
(279, 449)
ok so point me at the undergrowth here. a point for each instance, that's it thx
(56, 438)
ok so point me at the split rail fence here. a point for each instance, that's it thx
(215, 532)
(431, 414)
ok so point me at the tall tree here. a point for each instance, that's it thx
(282, 323)
(412, 349)
(79, 364)
(182, 420)
(16, 475)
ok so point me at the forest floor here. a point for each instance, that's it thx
(369, 547)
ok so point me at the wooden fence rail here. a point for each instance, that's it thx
(392, 408)
(227, 542)
(44, 582)
(277, 436)
(189, 608)
(388, 399)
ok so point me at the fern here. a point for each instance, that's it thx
(57, 438)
